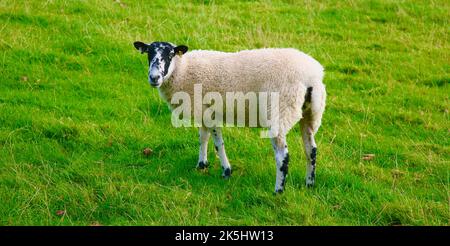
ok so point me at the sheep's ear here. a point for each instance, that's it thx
(142, 47)
(181, 49)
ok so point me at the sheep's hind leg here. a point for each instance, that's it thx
(282, 159)
(204, 135)
(310, 147)
(220, 148)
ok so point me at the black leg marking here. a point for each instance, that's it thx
(312, 177)
(313, 156)
(284, 169)
(217, 149)
(202, 165)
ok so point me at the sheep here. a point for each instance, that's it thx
(296, 76)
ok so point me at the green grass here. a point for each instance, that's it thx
(76, 111)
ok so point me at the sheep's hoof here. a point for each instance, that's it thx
(310, 179)
(310, 183)
(278, 192)
(226, 173)
(202, 165)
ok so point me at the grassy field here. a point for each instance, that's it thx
(76, 111)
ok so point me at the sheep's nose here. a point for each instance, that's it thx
(154, 77)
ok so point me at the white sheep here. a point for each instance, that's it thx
(296, 76)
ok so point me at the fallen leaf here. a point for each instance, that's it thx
(121, 4)
(61, 212)
(336, 207)
(396, 173)
(368, 157)
(147, 151)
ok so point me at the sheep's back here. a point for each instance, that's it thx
(251, 70)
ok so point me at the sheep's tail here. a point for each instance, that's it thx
(314, 105)
(318, 97)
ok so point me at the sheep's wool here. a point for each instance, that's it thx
(286, 71)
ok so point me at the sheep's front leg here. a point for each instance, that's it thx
(220, 148)
(282, 159)
(204, 135)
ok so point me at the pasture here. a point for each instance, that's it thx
(76, 113)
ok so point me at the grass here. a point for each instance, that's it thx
(76, 111)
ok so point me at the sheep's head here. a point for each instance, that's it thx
(160, 57)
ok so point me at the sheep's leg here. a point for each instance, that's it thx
(310, 147)
(282, 159)
(220, 148)
(204, 135)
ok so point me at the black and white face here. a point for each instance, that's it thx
(160, 57)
